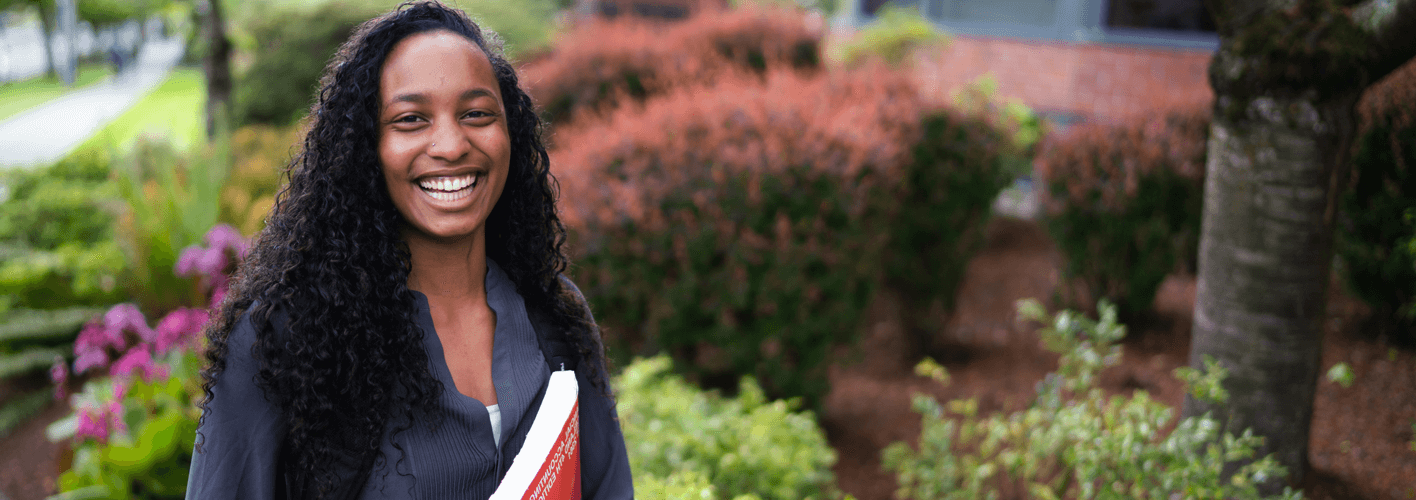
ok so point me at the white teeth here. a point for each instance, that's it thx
(448, 188)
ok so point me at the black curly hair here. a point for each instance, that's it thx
(332, 261)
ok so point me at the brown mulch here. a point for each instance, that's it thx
(29, 463)
(1360, 434)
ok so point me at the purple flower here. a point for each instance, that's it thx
(90, 359)
(97, 336)
(218, 294)
(93, 424)
(138, 359)
(127, 317)
(114, 410)
(59, 374)
(212, 262)
(180, 328)
(187, 261)
(223, 237)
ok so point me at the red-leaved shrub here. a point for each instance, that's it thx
(602, 64)
(1370, 239)
(744, 226)
(1124, 204)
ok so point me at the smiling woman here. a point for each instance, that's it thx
(392, 330)
(439, 86)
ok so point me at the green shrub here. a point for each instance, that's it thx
(1073, 441)
(523, 26)
(1124, 204)
(289, 45)
(1373, 212)
(292, 45)
(56, 235)
(686, 443)
(895, 35)
(596, 67)
(134, 423)
(259, 154)
(936, 217)
(743, 227)
(172, 200)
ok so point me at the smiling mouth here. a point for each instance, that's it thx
(449, 188)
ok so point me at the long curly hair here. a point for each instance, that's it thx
(332, 262)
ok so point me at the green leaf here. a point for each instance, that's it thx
(1341, 374)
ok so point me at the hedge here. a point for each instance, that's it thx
(1124, 202)
(744, 227)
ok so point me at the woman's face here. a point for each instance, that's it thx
(443, 136)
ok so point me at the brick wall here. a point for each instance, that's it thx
(1094, 82)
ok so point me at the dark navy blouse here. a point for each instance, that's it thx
(242, 432)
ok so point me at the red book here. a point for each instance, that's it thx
(548, 466)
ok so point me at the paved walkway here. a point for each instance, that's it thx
(49, 131)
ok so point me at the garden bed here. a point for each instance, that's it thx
(1359, 447)
(1360, 434)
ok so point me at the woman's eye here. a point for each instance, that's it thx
(407, 119)
(476, 114)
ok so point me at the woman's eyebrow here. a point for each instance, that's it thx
(417, 98)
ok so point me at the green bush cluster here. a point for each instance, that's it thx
(56, 235)
(172, 199)
(1374, 225)
(1123, 203)
(288, 46)
(1073, 441)
(292, 43)
(152, 424)
(895, 35)
(687, 443)
(744, 227)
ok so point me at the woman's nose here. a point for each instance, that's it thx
(448, 143)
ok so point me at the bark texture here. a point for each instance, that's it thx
(46, 23)
(1287, 78)
(217, 68)
(1265, 248)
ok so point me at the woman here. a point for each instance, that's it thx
(381, 339)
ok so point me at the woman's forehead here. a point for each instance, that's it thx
(434, 60)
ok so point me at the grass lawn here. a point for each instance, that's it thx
(16, 97)
(175, 110)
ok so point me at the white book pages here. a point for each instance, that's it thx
(548, 466)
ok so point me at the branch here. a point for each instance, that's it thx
(1391, 23)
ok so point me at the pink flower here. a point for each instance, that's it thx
(97, 336)
(59, 374)
(212, 262)
(180, 328)
(90, 359)
(114, 410)
(223, 237)
(138, 359)
(187, 261)
(218, 294)
(92, 424)
(127, 317)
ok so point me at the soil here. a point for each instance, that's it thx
(1359, 447)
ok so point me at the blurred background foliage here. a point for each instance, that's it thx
(739, 187)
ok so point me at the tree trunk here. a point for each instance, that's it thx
(217, 67)
(1274, 173)
(46, 23)
(1286, 79)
